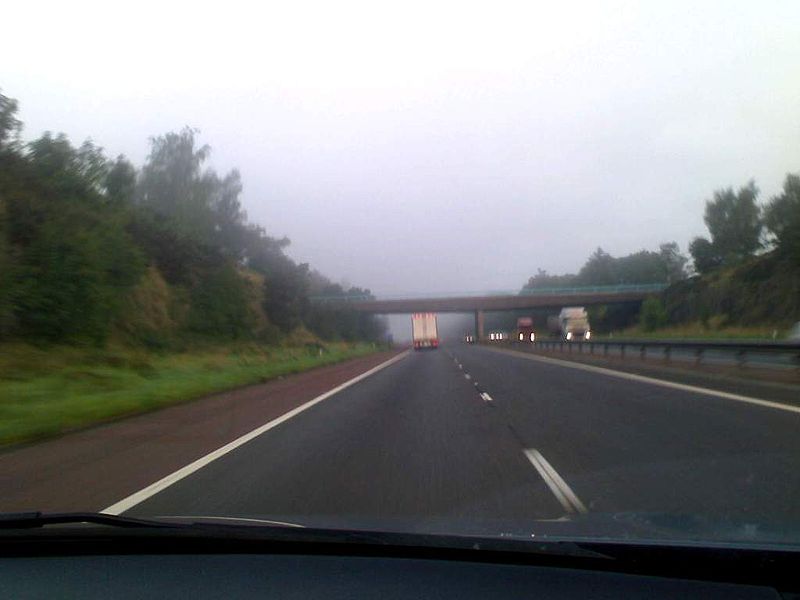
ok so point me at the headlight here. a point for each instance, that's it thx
(569, 335)
(533, 337)
(587, 335)
(521, 337)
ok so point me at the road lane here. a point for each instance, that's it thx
(413, 444)
(90, 469)
(631, 446)
(469, 439)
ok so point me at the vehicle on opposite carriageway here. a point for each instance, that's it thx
(571, 324)
(525, 332)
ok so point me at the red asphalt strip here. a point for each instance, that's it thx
(94, 468)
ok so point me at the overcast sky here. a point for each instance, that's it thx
(434, 147)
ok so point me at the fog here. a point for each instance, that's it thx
(434, 147)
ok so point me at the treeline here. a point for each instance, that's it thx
(92, 247)
(739, 228)
(665, 266)
(749, 266)
(746, 272)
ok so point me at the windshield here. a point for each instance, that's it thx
(519, 269)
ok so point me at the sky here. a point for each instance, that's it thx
(429, 147)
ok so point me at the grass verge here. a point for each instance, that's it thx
(697, 331)
(44, 392)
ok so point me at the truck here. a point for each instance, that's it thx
(525, 331)
(571, 324)
(424, 331)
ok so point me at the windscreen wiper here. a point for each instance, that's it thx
(32, 520)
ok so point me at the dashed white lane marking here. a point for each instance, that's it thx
(467, 376)
(563, 493)
(661, 382)
(486, 397)
(460, 367)
(162, 484)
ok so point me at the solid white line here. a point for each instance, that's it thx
(162, 484)
(486, 397)
(662, 382)
(563, 493)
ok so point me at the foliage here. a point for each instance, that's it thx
(84, 238)
(762, 290)
(543, 279)
(70, 257)
(652, 314)
(734, 222)
(10, 126)
(285, 293)
(219, 305)
(782, 218)
(665, 266)
(673, 262)
(705, 256)
(120, 183)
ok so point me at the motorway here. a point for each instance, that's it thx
(469, 438)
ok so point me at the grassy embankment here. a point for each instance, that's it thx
(696, 331)
(44, 392)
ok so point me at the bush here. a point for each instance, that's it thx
(220, 305)
(653, 315)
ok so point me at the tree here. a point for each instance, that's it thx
(543, 279)
(673, 261)
(705, 255)
(734, 222)
(667, 265)
(782, 217)
(640, 267)
(10, 126)
(652, 315)
(120, 183)
(286, 293)
(67, 171)
(219, 304)
(172, 183)
(598, 270)
(78, 231)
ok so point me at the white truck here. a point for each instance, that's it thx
(424, 331)
(572, 324)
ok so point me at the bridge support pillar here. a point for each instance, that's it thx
(479, 325)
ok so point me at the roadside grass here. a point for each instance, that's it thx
(697, 331)
(47, 391)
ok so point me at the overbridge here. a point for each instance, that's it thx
(552, 298)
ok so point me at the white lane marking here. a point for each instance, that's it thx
(160, 485)
(467, 376)
(662, 382)
(563, 493)
(486, 397)
(460, 367)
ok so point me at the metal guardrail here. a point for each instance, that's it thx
(553, 291)
(596, 289)
(741, 352)
(338, 299)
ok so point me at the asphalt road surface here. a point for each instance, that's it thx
(468, 438)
